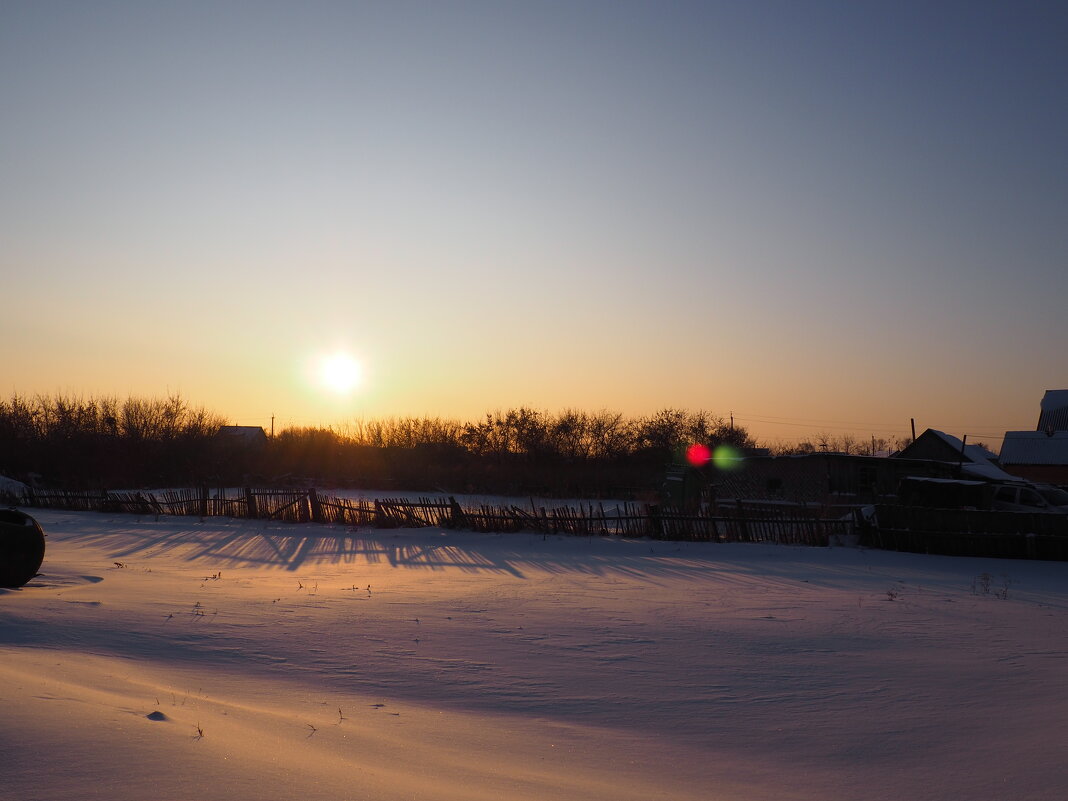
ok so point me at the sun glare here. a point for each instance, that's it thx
(340, 373)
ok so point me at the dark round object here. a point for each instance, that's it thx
(22, 547)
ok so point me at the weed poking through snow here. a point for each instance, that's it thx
(983, 584)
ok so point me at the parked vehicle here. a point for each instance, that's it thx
(1030, 498)
(945, 493)
(1000, 496)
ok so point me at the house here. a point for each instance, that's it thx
(1041, 455)
(1037, 455)
(247, 437)
(974, 461)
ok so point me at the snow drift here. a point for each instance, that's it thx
(177, 659)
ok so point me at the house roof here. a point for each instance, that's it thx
(1054, 415)
(978, 461)
(1035, 447)
(974, 453)
(248, 434)
(987, 471)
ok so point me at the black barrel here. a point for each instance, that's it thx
(22, 547)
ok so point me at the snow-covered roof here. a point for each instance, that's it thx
(991, 472)
(1055, 399)
(974, 453)
(953, 481)
(979, 462)
(1054, 416)
(1035, 447)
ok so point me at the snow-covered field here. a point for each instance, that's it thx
(178, 659)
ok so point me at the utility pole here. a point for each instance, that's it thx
(272, 426)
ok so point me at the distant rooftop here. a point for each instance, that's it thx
(1054, 415)
(248, 435)
(1035, 447)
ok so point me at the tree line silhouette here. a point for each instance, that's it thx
(104, 442)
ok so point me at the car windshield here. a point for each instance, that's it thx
(1054, 496)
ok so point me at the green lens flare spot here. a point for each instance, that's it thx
(724, 457)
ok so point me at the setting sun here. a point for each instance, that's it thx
(340, 372)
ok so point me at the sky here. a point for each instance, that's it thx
(815, 216)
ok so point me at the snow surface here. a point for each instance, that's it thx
(178, 659)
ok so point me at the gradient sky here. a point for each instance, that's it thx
(816, 215)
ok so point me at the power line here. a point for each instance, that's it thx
(881, 428)
(768, 418)
(985, 430)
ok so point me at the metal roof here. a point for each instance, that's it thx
(1035, 447)
(1054, 415)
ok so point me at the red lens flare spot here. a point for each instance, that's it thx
(698, 455)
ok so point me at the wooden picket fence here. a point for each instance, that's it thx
(938, 531)
(735, 522)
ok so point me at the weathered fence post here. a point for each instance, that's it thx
(456, 514)
(316, 506)
(251, 511)
(106, 502)
(656, 524)
(203, 501)
(743, 522)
